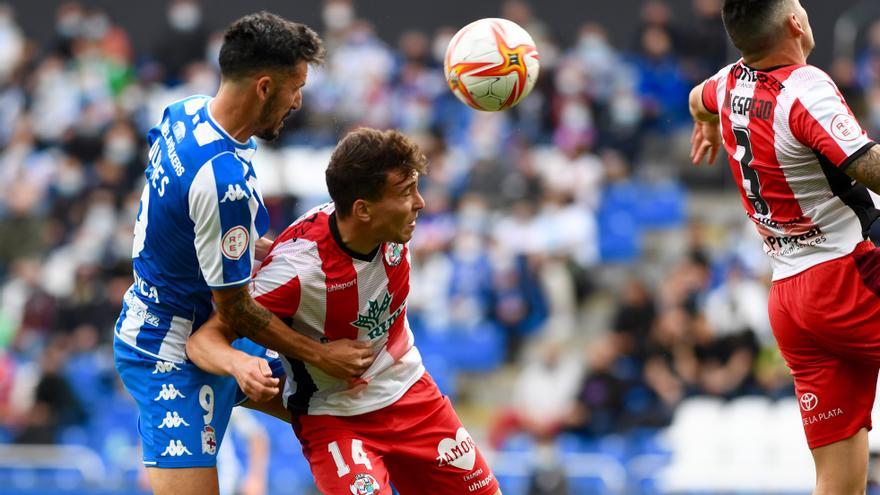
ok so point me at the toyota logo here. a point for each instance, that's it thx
(809, 401)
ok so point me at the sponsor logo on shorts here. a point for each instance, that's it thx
(169, 392)
(822, 416)
(172, 420)
(364, 484)
(460, 452)
(175, 448)
(165, 367)
(483, 483)
(809, 401)
(209, 440)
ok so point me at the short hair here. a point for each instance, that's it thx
(263, 41)
(361, 162)
(751, 23)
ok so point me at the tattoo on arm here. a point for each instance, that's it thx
(243, 315)
(866, 169)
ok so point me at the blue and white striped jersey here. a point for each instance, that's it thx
(200, 215)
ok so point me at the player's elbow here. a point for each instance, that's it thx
(695, 104)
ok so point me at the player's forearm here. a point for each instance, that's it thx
(866, 169)
(249, 319)
(698, 110)
(211, 350)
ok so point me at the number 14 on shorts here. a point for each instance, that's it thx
(358, 456)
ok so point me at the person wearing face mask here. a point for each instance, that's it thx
(198, 232)
(184, 41)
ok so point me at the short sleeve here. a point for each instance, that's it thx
(821, 120)
(276, 286)
(710, 95)
(710, 89)
(220, 209)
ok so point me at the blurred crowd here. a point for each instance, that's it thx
(510, 254)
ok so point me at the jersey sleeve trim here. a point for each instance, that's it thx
(229, 285)
(710, 88)
(855, 156)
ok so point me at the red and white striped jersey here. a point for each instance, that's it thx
(789, 135)
(327, 292)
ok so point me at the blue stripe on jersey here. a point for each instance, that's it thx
(233, 195)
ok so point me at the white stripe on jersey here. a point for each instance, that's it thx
(174, 344)
(204, 209)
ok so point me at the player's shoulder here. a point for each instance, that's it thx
(807, 79)
(313, 226)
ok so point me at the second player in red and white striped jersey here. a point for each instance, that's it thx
(789, 136)
(326, 291)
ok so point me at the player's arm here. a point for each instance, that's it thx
(706, 136)
(866, 169)
(224, 242)
(238, 311)
(210, 348)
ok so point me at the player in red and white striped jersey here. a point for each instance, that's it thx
(804, 165)
(342, 272)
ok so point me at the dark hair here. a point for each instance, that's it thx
(266, 41)
(751, 23)
(361, 162)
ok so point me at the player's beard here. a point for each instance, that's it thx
(270, 127)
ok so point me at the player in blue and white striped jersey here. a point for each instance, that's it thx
(198, 231)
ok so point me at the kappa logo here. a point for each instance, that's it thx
(809, 401)
(169, 392)
(172, 420)
(175, 448)
(165, 367)
(209, 440)
(364, 484)
(460, 452)
(234, 193)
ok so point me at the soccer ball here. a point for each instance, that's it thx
(491, 64)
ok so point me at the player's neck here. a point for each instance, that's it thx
(355, 237)
(233, 116)
(789, 54)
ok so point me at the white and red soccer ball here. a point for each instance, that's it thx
(491, 64)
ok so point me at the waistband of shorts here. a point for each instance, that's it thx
(861, 248)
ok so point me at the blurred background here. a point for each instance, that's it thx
(594, 305)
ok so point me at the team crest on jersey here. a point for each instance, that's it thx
(364, 484)
(235, 242)
(393, 254)
(179, 130)
(209, 440)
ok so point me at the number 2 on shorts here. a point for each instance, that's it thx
(358, 456)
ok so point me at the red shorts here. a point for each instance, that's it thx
(417, 443)
(827, 323)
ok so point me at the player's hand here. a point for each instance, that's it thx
(705, 141)
(345, 359)
(254, 377)
(261, 248)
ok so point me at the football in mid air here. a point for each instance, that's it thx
(491, 64)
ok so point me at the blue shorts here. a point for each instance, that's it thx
(183, 410)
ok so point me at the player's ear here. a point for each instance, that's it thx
(264, 87)
(361, 210)
(794, 25)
